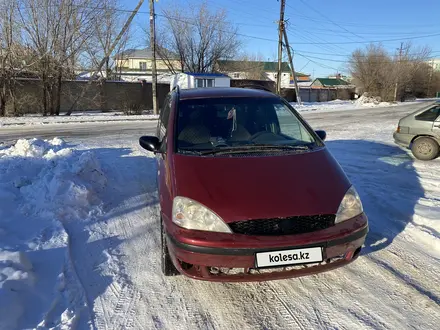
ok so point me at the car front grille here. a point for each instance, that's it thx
(283, 226)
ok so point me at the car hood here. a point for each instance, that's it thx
(244, 188)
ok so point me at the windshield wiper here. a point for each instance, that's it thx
(255, 148)
(189, 151)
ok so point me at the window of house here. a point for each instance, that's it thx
(276, 75)
(236, 75)
(200, 83)
(143, 66)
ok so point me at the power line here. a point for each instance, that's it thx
(327, 18)
(189, 21)
(346, 55)
(309, 18)
(368, 60)
(317, 63)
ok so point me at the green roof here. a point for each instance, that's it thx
(331, 82)
(229, 65)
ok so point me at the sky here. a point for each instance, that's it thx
(322, 33)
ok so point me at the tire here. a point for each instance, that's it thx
(167, 266)
(425, 148)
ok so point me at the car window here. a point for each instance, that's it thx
(292, 128)
(204, 124)
(164, 116)
(430, 114)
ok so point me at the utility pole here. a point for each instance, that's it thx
(153, 50)
(280, 45)
(398, 72)
(292, 68)
(431, 69)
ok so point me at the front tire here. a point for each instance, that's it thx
(167, 266)
(425, 148)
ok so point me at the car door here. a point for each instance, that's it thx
(436, 125)
(161, 156)
(424, 121)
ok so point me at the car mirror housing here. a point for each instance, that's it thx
(150, 143)
(322, 134)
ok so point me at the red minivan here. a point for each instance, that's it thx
(248, 191)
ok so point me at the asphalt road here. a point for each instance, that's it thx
(137, 128)
(83, 130)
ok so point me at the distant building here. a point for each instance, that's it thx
(261, 71)
(434, 63)
(189, 80)
(331, 83)
(136, 64)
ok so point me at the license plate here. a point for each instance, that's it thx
(288, 257)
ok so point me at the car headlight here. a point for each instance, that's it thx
(350, 206)
(189, 214)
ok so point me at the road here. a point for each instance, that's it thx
(138, 128)
(83, 130)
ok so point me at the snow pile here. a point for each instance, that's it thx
(330, 105)
(43, 185)
(365, 101)
(371, 102)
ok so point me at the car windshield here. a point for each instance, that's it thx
(222, 124)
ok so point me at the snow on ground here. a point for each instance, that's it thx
(76, 117)
(343, 105)
(44, 186)
(113, 249)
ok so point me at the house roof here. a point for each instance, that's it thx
(205, 74)
(239, 66)
(331, 82)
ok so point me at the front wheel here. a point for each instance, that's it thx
(425, 148)
(168, 268)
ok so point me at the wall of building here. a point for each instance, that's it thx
(134, 64)
(285, 78)
(318, 94)
(222, 82)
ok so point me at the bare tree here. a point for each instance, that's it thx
(372, 71)
(375, 71)
(11, 55)
(56, 30)
(105, 31)
(198, 38)
(412, 70)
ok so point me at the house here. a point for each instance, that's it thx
(200, 80)
(136, 64)
(330, 83)
(260, 71)
(434, 63)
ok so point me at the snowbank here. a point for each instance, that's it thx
(371, 102)
(80, 117)
(43, 185)
(342, 105)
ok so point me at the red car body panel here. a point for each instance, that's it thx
(243, 188)
(254, 187)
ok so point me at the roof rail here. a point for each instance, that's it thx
(256, 87)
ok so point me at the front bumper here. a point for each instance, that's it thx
(231, 257)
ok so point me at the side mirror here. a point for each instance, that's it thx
(150, 143)
(322, 134)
